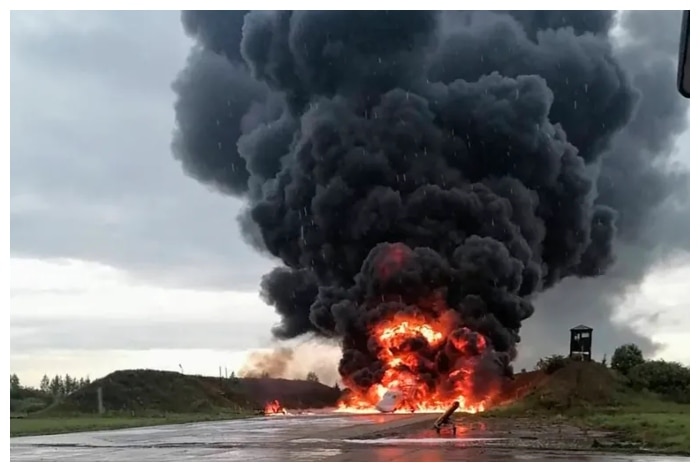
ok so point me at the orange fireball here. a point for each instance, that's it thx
(407, 341)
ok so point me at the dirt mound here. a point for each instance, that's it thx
(172, 392)
(521, 385)
(578, 384)
(290, 393)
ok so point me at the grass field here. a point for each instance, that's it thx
(667, 432)
(53, 425)
(642, 422)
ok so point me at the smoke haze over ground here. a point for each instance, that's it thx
(293, 363)
(444, 166)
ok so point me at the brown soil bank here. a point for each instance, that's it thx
(578, 384)
(141, 391)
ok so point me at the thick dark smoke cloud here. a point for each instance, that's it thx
(421, 162)
(637, 178)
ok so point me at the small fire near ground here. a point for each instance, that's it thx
(275, 408)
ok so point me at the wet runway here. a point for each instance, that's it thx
(291, 438)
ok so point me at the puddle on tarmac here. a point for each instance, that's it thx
(399, 441)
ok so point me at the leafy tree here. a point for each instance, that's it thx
(312, 377)
(626, 357)
(56, 386)
(73, 384)
(670, 379)
(68, 385)
(44, 386)
(552, 364)
(14, 383)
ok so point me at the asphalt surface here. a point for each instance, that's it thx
(288, 438)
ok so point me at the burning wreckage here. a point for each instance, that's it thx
(420, 176)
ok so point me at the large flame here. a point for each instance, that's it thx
(406, 344)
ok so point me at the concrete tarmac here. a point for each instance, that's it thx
(285, 439)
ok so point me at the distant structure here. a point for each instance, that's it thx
(100, 404)
(581, 342)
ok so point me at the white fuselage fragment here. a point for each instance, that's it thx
(390, 401)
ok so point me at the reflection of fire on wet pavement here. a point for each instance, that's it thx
(319, 437)
(448, 429)
(511, 433)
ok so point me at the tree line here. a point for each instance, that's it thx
(310, 377)
(56, 386)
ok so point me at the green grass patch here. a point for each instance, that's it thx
(667, 432)
(40, 425)
(640, 421)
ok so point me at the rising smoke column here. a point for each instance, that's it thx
(407, 162)
(636, 177)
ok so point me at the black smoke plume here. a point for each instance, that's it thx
(410, 161)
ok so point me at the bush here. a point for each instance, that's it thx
(28, 405)
(626, 357)
(670, 379)
(551, 364)
(312, 377)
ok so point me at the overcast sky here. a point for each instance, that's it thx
(121, 261)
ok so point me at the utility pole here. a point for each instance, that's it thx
(100, 405)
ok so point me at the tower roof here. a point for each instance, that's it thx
(581, 328)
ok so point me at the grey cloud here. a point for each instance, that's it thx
(93, 177)
(640, 175)
(39, 334)
(91, 168)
